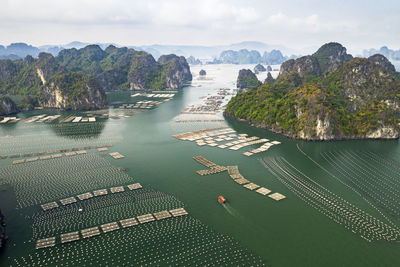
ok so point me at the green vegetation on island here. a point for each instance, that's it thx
(77, 78)
(329, 95)
(247, 80)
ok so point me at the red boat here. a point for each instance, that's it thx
(221, 200)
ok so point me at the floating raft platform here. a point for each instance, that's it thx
(69, 237)
(116, 155)
(102, 149)
(241, 181)
(69, 119)
(68, 201)
(202, 160)
(178, 212)
(19, 161)
(251, 186)
(49, 206)
(277, 196)
(90, 232)
(77, 119)
(117, 189)
(263, 191)
(32, 159)
(213, 170)
(145, 218)
(162, 215)
(134, 186)
(85, 196)
(128, 222)
(101, 192)
(109, 227)
(46, 242)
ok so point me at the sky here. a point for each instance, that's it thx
(295, 24)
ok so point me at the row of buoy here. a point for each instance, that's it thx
(331, 205)
(36, 183)
(376, 184)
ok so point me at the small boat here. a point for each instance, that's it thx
(221, 200)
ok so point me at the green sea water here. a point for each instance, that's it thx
(290, 232)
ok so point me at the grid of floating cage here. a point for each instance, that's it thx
(90, 232)
(178, 212)
(69, 237)
(85, 196)
(145, 218)
(100, 192)
(162, 215)
(68, 201)
(117, 189)
(277, 196)
(49, 206)
(162, 242)
(214, 136)
(263, 191)
(46, 242)
(251, 186)
(182, 241)
(108, 227)
(134, 186)
(128, 222)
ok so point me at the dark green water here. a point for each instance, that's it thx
(286, 233)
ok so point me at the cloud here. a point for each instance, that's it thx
(311, 23)
(199, 21)
(156, 12)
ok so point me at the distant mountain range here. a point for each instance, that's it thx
(245, 56)
(205, 53)
(21, 50)
(384, 50)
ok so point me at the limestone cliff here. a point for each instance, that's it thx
(73, 91)
(7, 106)
(247, 80)
(346, 98)
(177, 71)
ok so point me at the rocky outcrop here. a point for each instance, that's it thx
(193, 61)
(378, 59)
(7, 106)
(259, 68)
(247, 80)
(73, 91)
(202, 73)
(269, 68)
(269, 79)
(177, 71)
(331, 56)
(169, 72)
(274, 57)
(303, 66)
